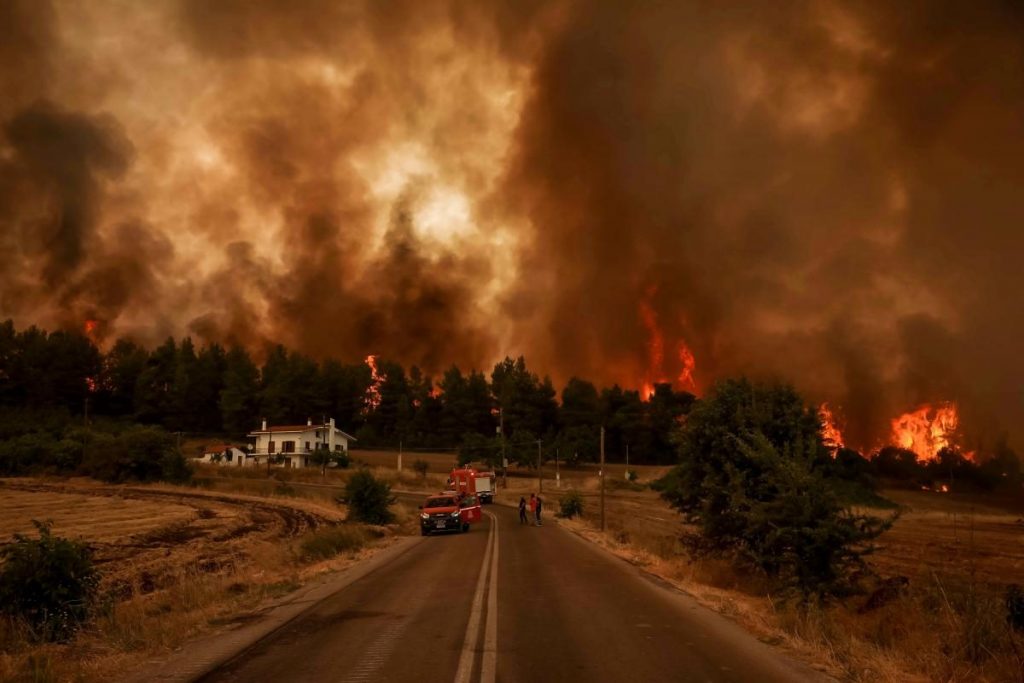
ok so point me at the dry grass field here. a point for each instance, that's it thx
(175, 562)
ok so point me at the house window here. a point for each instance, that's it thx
(337, 446)
(273, 446)
(230, 455)
(308, 449)
(288, 447)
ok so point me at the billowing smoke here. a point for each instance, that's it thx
(823, 192)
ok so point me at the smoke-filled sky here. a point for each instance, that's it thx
(826, 192)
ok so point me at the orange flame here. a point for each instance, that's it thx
(830, 433)
(655, 373)
(655, 346)
(372, 398)
(689, 364)
(91, 329)
(927, 430)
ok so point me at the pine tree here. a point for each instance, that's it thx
(238, 398)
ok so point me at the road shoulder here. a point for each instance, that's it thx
(210, 651)
(722, 625)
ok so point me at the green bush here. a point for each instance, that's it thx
(571, 504)
(421, 467)
(48, 582)
(752, 478)
(328, 542)
(137, 454)
(368, 498)
(27, 452)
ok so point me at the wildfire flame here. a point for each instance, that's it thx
(926, 430)
(830, 433)
(655, 373)
(655, 346)
(91, 329)
(689, 365)
(372, 397)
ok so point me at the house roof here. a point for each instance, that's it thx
(292, 429)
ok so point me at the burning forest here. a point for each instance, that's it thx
(666, 194)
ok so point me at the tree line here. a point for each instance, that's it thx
(224, 391)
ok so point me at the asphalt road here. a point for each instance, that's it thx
(508, 603)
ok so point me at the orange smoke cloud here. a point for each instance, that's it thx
(787, 191)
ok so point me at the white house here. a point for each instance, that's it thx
(228, 455)
(296, 445)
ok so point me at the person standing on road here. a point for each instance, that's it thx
(522, 511)
(540, 503)
(533, 505)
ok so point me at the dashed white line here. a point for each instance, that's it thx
(469, 643)
(489, 663)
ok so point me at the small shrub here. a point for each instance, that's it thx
(137, 454)
(330, 541)
(49, 582)
(631, 475)
(571, 504)
(421, 467)
(368, 498)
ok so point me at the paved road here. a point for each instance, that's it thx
(509, 603)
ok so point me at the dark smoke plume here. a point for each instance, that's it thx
(823, 192)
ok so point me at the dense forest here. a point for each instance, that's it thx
(217, 391)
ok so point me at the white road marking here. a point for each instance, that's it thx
(489, 662)
(466, 660)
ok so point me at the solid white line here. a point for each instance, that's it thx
(465, 670)
(489, 663)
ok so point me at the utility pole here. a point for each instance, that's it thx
(400, 457)
(504, 460)
(627, 462)
(601, 472)
(323, 446)
(558, 477)
(540, 469)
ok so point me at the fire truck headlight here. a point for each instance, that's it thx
(455, 514)
(424, 515)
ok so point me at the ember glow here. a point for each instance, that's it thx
(830, 433)
(91, 330)
(373, 390)
(927, 430)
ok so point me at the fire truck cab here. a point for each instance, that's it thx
(471, 482)
(449, 511)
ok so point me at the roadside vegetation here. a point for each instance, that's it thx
(369, 499)
(48, 585)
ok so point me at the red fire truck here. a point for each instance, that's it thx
(469, 481)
